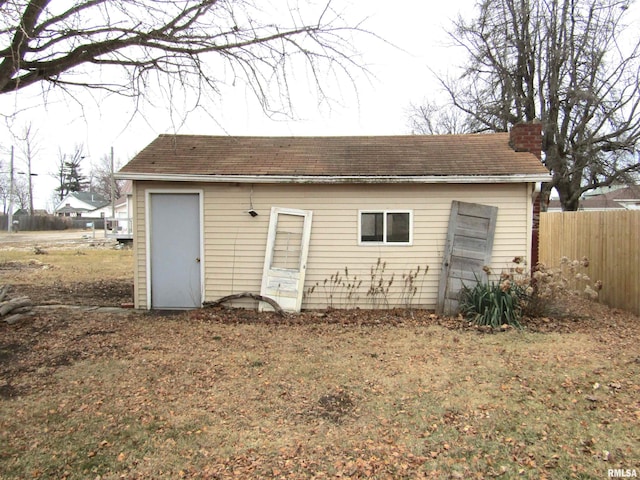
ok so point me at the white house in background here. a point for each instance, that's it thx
(123, 205)
(84, 205)
(121, 226)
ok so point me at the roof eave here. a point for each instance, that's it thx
(331, 179)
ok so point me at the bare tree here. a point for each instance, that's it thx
(101, 178)
(195, 44)
(29, 148)
(4, 188)
(21, 193)
(562, 62)
(430, 118)
(59, 175)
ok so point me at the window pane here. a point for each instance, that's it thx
(398, 227)
(287, 246)
(371, 227)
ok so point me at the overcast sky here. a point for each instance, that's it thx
(400, 76)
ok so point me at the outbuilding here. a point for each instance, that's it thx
(317, 222)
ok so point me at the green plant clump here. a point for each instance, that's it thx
(493, 304)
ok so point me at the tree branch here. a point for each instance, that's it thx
(174, 38)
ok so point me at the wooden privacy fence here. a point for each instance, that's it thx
(609, 239)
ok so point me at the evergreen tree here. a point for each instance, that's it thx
(69, 174)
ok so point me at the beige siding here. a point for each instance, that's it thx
(235, 241)
(139, 242)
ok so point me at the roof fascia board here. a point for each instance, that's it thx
(321, 179)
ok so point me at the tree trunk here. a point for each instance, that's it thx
(237, 296)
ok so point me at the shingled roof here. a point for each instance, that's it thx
(213, 158)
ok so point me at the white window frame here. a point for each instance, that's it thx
(384, 227)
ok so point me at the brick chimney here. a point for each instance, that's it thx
(527, 137)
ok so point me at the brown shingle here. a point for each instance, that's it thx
(411, 155)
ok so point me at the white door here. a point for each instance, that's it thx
(174, 250)
(285, 260)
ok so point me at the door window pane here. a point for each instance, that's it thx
(287, 246)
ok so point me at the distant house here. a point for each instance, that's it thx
(83, 204)
(123, 205)
(121, 226)
(615, 197)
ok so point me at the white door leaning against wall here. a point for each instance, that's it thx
(285, 262)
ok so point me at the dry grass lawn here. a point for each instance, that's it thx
(220, 394)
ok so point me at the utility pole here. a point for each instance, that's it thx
(113, 189)
(10, 217)
(30, 178)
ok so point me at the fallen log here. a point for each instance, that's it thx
(25, 309)
(15, 318)
(237, 296)
(14, 304)
(3, 291)
(24, 297)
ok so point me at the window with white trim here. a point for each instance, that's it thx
(385, 227)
